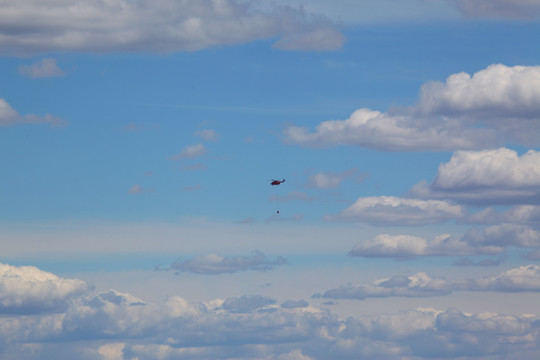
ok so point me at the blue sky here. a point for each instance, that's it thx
(138, 143)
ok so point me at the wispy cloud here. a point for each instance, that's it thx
(330, 180)
(208, 135)
(190, 152)
(214, 264)
(42, 69)
(138, 189)
(10, 116)
(504, 9)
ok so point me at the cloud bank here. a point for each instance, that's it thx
(116, 325)
(37, 26)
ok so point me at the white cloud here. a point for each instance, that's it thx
(390, 210)
(503, 98)
(496, 105)
(294, 304)
(208, 135)
(406, 246)
(112, 351)
(329, 180)
(282, 218)
(484, 262)
(218, 264)
(522, 279)
(42, 69)
(138, 189)
(195, 167)
(291, 196)
(158, 26)
(246, 304)
(385, 245)
(322, 37)
(390, 132)
(27, 289)
(533, 255)
(520, 214)
(492, 240)
(190, 152)
(510, 235)
(10, 116)
(294, 355)
(417, 285)
(498, 176)
(496, 91)
(526, 9)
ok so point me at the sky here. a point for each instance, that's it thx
(138, 141)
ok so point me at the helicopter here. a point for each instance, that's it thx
(277, 182)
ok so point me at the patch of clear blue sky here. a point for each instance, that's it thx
(248, 94)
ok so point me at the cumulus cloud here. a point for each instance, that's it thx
(496, 105)
(522, 279)
(498, 176)
(491, 240)
(156, 26)
(10, 116)
(213, 264)
(390, 210)
(42, 69)
(190, 152)
(27, 289)
(512, 9)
